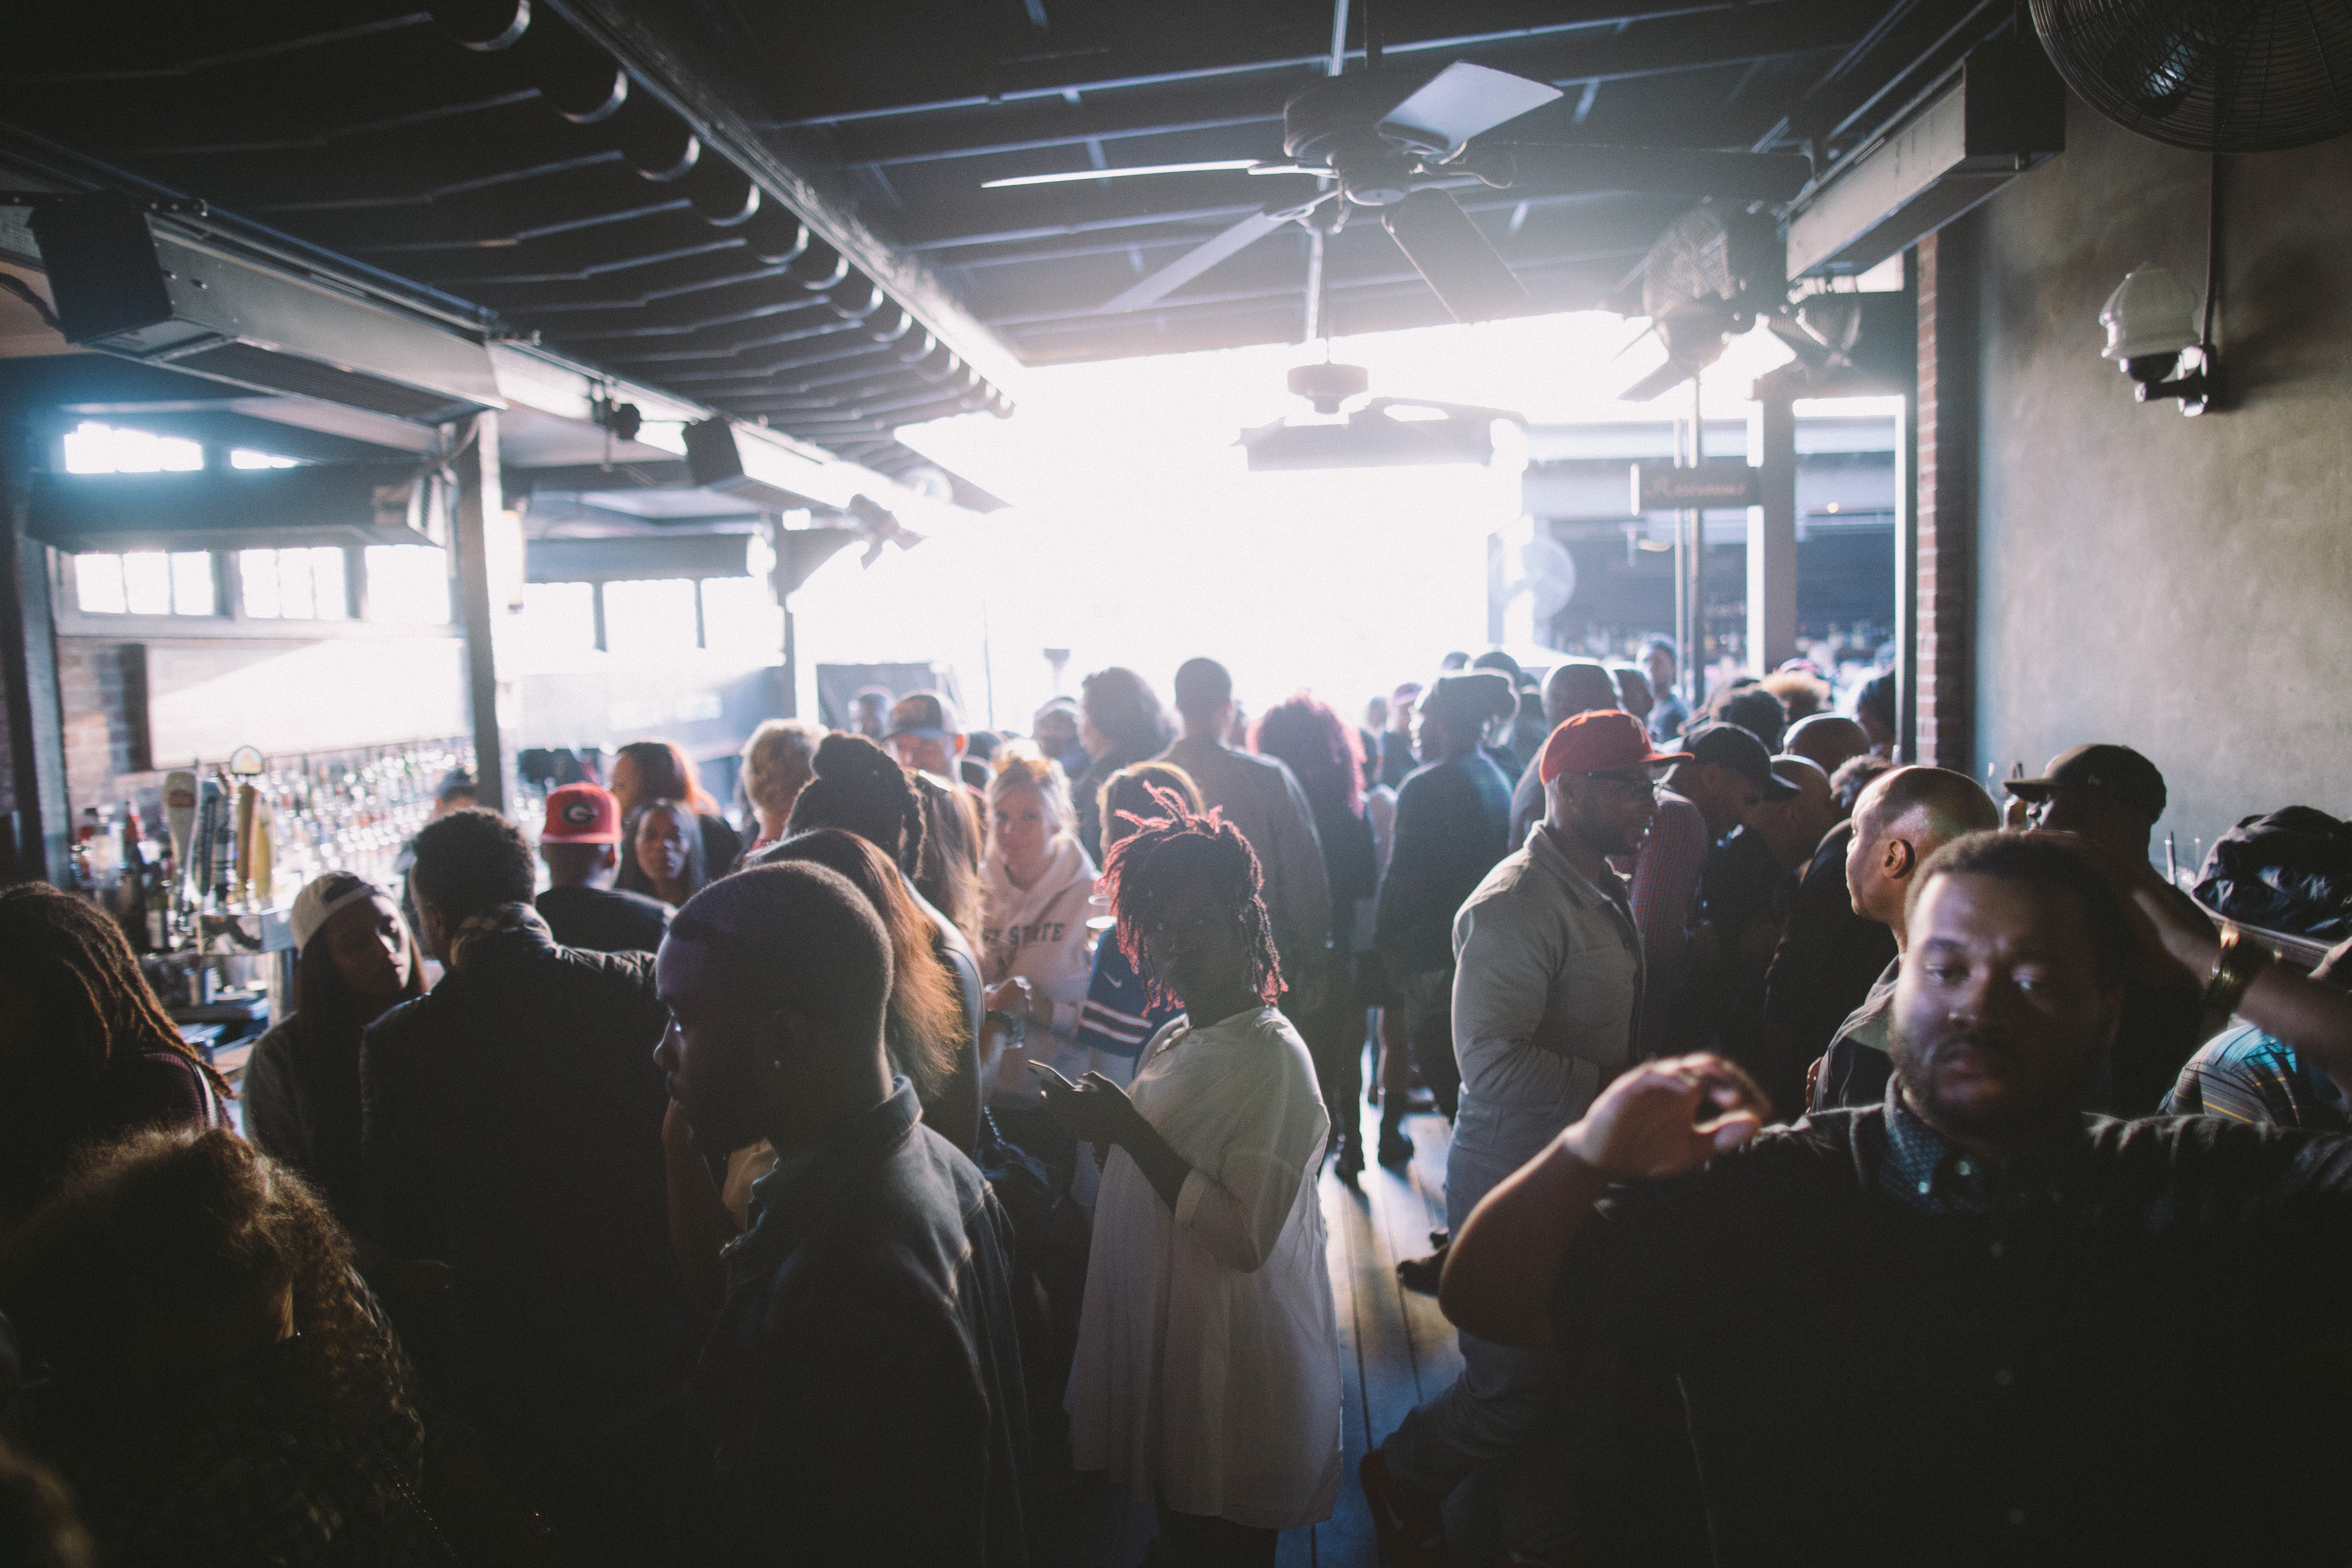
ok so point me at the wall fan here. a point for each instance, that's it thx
(2216, 75)
(1396, 141)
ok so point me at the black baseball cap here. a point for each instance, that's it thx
(1731, 747)
(2116, 772)
(926, 715)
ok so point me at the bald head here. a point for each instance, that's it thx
(1794, 827)
(1902, 817)
(1577, 686)
(1827, 740)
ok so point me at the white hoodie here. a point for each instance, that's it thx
(1040, 933)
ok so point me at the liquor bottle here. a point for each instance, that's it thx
(159, 903)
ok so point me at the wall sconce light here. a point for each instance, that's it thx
(2152, 332)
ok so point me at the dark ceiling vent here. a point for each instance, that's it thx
(129, 282)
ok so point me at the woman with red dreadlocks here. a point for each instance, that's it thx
(1208, 1362)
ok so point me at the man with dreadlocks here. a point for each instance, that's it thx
(1208, 1362)
(87, 1053)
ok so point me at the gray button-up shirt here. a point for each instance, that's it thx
(1546, 987)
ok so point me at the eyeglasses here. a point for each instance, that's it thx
(1628, 781)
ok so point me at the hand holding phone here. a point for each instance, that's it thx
(1053, 1077)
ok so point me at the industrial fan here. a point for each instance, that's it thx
(2216, 75)
(1706, 279)
(1396, 141)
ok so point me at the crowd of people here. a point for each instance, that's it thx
(1844, 1166)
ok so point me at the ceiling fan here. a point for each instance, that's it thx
(1395, 140)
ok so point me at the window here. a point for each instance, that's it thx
(408, 585)
(246, 457)
(740, 618)
(650, 617)
(558, 618)
(145, 583)
(293, 585)
(95, 449)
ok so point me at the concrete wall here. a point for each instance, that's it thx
(2182, 586)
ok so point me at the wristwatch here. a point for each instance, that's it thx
(2240, 958)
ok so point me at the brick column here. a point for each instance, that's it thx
(1944, 654)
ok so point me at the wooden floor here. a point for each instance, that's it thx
(1395, 1349)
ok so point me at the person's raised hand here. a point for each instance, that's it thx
(2176, 944)
(1668, 1117)
(1092, 1111)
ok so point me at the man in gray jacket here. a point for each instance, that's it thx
(1548, 983)
(1266, 805)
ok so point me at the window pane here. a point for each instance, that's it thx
(649, 617)
(192, 583)
(333, 600)
(246, 457)
(557, 619)
(257, 573)
(89, 448)
(408, 585)
(147, 583)
(740, 619)
(294, 594)
(98, 584)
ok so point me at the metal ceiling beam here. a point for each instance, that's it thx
(1685, 43)
(624, 29)
(1190, 52)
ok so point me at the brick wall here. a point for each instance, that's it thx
(1946, 556)
(102, 686)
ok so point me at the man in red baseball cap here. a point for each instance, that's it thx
(1548, 982)
(579, 842)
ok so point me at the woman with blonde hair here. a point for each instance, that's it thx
(778, 760)
(1034, 884)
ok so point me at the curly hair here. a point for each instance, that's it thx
(168, 1222)
(77, 983)
(1183, 849)
(1317, 745)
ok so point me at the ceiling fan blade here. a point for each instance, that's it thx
(1548, 166)
(1447, 248)
(1463, 101)
(1075, 174)
(1665, 378)
(1201, 257)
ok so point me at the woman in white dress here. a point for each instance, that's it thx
(1208, 1364)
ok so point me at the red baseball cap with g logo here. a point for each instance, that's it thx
(582, 814)
(1603, 741)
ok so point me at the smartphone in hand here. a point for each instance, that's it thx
(1045, 1070)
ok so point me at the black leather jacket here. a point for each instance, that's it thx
(863, 1382)
(512, 1129)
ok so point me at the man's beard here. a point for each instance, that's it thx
(2019, 1116)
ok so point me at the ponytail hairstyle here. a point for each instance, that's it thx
(860, 788)
(1181, 849)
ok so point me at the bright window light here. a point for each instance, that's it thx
(293, 585)
(193, 588)
(246, 457)
(408, 585)
(98, 585)
(650, 617)
(145, 583)
(95, 449)
(740, 619)
(558, 618)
